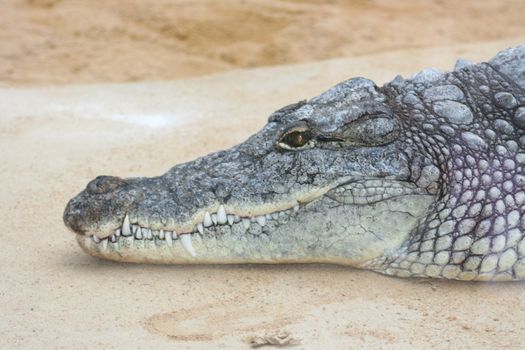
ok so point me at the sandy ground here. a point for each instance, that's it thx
(88, 41)
(52, 296)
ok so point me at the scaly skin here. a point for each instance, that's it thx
(420, 177)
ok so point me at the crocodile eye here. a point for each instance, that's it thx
(295, 139)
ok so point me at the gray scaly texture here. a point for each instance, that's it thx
(422, 177)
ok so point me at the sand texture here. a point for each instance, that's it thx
(53, 140)
(88, 41)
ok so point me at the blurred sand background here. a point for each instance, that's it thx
(124, 88)
(77, 41)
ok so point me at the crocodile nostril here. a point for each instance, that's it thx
(104, 184)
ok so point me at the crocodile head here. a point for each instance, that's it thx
(326, 180)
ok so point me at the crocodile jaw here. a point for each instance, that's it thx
(320, 231)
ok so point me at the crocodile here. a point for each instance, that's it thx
(422, 177)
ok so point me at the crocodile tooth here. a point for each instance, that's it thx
(185, 240)
(169, 239)
(296, 207)
(112, 238)
(261, 220)
(117, 232)
(134, 228)
(149, 235)
(200, 228)
(275, 216)
(126, 230)
(104, 243)
(268, 217)
(221, 215)
(236, 218)
(96, 239)
(246, 223)
(138, 234)
(214, 218)
(161, 234)
(207, 220)
(155, 233)
(231, 219)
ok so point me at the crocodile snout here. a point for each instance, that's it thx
(103, 202)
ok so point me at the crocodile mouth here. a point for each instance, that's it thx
(129, 235)
(227, 231)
